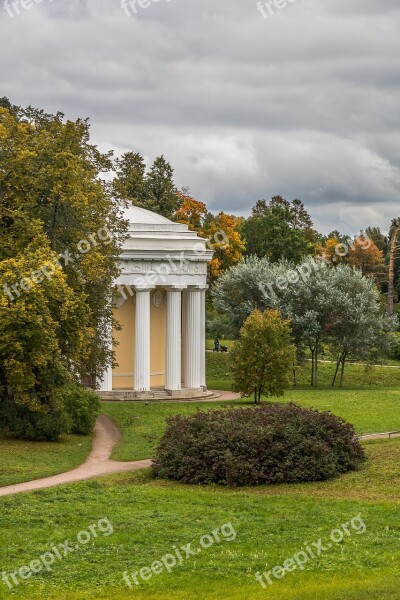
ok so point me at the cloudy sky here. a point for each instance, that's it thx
(301, 100)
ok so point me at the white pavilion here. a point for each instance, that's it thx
(161, 308)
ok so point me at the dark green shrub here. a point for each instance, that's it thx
(82, 407)
(44, 425)
(72, 410)
(272, 443)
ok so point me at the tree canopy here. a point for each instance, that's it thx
(279, 229)
(263, 357)
(153, 190)
(327, 305)
(61, 233)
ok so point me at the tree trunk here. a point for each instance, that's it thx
(390, 296)
(316, 365)
(257, 395)
(294, 376)
(338, 363)
(312, 366)
(343, 365)
(336, 372)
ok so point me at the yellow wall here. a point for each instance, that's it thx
(125, 314)
(158, 328)
(124, 352)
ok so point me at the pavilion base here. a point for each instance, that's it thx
(155, 395)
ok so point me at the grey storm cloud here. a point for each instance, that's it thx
(303, 103)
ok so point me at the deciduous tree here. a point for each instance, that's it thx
(359, 328)
(248, 286)
(191, 212)
(368, 258)
(54, 206)
(224, 237)
(262, 358)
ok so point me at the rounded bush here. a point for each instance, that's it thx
(271, 443)
(82, 407)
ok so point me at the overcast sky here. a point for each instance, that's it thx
(304, 103)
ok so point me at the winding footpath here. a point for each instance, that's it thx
(97, 464)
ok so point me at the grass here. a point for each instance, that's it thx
(370, 409)
(142, 424)
(210, 344)
(23, 461)
(272, 524)
(150, 517)
(220, 377)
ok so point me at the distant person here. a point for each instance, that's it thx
(216, 345)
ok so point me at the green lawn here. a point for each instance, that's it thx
(370, 409)
(210, 343)
(150, 517)
(142, 424)
(219, 376)
(22, 461)
(272, 524)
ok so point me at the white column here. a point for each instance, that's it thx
(183, 325)
(203, 338)
(142, 341)
(106, 382)
(173, 353)
(193, 339)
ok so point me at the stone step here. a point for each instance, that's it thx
(154, 395)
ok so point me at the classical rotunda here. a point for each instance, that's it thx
(161, 308)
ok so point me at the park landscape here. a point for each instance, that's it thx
(149, 516)
(310, 325)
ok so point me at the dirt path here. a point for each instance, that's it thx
(379, 436)
(97, 464)
(224, 395)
